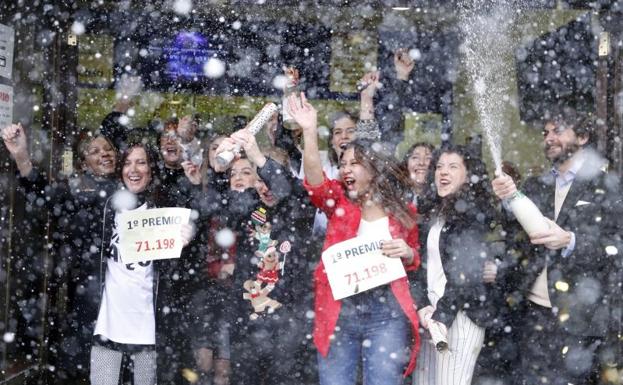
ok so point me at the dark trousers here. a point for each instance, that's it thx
(548, 354)
(273, 350)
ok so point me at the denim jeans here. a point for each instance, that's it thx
(372, 332)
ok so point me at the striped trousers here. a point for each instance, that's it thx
(454, 366)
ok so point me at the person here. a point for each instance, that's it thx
(565, 278)
(211, 179)
(417, 163)
(172, 175)
(211, 342)
(75, 206)
(115, 124)
(371, 328)
(455, 286)
(267, 309)
(191, 145)
(398, 92)
(130, 312)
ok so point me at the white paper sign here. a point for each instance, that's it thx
(357, 265)
(147, 235)
(6, 105)
(7, 41)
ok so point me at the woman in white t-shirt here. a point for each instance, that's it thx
(126, 323)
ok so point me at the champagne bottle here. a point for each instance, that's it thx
(528, 215)
(254, 126)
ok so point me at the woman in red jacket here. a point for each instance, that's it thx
(373, 327)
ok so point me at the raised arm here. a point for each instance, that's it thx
(15, 141)
(307, 117)
(371, 82)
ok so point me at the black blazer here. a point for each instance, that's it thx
(464, 246)
(582, 285)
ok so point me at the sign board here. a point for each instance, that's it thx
(95, 59)
(7, 41)
(6, 105)
(146, 235)
(357, 265)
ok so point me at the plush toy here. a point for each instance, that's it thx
(259, 299)
(269, 266)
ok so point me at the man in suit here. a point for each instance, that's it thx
(564, 283)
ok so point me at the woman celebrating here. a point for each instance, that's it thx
(371, 327)
(454, 286)
(417, 163)
(75, 206)
(127, 322)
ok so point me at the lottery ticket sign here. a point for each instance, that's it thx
(7, 41)
(152, 234)
(6, 105)
(357, 265)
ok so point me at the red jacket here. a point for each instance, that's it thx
(344, 217)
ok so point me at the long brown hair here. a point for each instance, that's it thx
(390, 184)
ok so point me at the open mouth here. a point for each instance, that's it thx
(444, 182)
(349, 182)
(106, 163)
(343, 146)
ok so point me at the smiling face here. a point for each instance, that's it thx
(100, 157)
(170, 148)
(450, 174)
(242, 175)
(355, 177)
(561, 143)
(266, 196)
(418, 164)
(343, 133)
(136, 172)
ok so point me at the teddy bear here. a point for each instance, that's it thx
(269, 267)
(259, 299)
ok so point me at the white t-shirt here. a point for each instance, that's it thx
(435, 277)
(378, 227)
(127, 310)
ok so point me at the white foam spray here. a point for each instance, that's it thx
(486, 29)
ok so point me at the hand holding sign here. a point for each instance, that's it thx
(359, 264)
(153, 234)
(397, 248)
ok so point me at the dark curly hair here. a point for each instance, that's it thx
(390, 184)
(473, 196)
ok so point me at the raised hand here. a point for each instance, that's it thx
(192, 171)
(15, 141)
(372, 83)
(227, 144)
(304, 113)
(403, 63)
(503, 186)
(185, 128)
(246, 140)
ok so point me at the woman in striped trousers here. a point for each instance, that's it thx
(454, 288)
